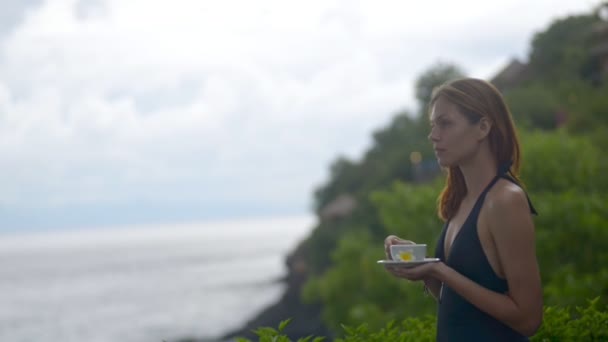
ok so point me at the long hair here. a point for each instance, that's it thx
(475, 99)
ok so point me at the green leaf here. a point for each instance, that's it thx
(284, 324)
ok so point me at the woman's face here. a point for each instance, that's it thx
(454, 138)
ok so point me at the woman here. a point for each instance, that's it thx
(487, 282)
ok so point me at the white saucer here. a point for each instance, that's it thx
(408, 263)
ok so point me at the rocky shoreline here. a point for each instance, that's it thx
(305, 318)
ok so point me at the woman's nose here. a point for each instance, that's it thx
(433, 135)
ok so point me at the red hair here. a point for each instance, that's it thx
(475, 99)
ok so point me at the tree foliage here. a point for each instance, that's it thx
(436, 75)
(561, 53)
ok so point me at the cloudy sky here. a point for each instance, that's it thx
(128, 111)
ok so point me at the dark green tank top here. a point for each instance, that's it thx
(459, 320)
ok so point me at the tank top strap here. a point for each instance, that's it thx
(504, 171)
(482, 196)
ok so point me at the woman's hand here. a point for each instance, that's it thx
(421, 272)
(394, 240)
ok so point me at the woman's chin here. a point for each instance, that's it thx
(444, 162)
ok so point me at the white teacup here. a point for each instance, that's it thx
(410, 252)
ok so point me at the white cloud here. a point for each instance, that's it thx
(113, 102)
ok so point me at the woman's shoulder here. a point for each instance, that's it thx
(506, 197)
(506, 211)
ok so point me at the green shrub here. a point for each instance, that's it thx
(559, 162)
(574, 324)
(409, 330)
(588, 323)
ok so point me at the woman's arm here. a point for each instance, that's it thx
(512, 229)
(433, 286)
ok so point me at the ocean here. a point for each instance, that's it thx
(142, 283)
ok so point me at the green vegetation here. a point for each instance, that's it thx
(560, 107)
(560, 324)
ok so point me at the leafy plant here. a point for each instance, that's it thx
(582, 324)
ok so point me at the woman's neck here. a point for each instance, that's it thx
(478, 172)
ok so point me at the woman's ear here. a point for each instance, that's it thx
(485, 125)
